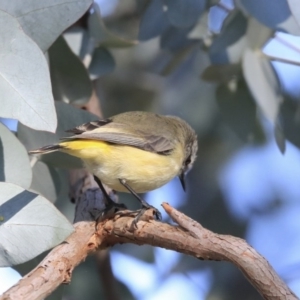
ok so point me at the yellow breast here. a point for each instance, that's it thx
(144, 171)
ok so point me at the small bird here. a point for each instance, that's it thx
(132, 152)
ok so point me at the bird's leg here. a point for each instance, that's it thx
(110, 205)
(145, 205)
(107, 199)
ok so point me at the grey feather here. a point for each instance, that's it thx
(136, 129)
(150, 143)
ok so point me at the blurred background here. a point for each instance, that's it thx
(231, 70)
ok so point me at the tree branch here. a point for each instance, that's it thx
(188, 238)
(192, 239)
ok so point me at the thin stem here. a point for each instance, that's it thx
(283, 60)
(286, 43)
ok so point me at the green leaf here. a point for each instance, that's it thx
(229, 45)
(29, 225)
(70, 79)
(45, 20)
(184, 13)
(154, 21)
(24, 78)
(295, 9)
(14, 162)
(201, 29)
(102, 35)
(263, 84)
(102, 63)
(279, 137)
(45, 181)
(68, 117)
(273, 14)
(78, 40)
(257, 34)
(290, 116)
(175, 39)
(238, 110)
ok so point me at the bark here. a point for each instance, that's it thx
(188, 237)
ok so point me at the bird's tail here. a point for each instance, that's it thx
(46, 149)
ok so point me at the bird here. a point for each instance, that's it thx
(133, 152)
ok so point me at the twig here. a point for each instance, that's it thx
(188, 238)
(192, 239)
(236, 250)
(286, 43)
(283, 60)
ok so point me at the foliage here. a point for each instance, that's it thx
(220, 80)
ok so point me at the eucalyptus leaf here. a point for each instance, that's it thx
(295, 9)
(45, 181)
(70, 79)
(29, 225)
(102, 35)
(263, 84)
(45, 20)
(234, 52)
(229, 45)
(279, 137)
(14, 162)
(154, 21)
(79, 41)
(25, 85)
(237, 109)
(102, 63)
(68, 117)
(184, 13)
(200, 30)
(175, 39)
(290, 116)
(273, 14)
(266, 12)
(257, 34)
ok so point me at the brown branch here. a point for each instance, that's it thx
(56, 267)
(192, 239)
(236, 250)
(188, 238)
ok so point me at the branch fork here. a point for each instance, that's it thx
(188, 237)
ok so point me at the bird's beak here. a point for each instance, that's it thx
(182, 180)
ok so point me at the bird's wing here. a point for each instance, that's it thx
(123, 134)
